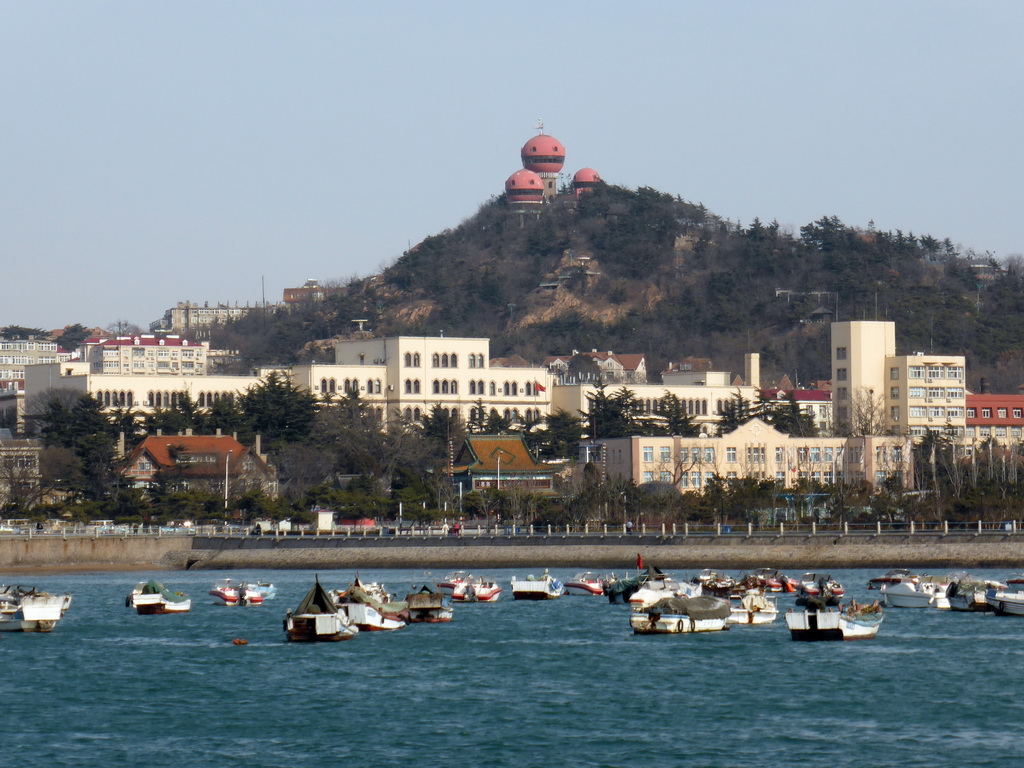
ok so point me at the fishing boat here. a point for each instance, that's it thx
(753, 608)
(816, 622)
(679, 615)
(712, 582)
(318, 618)
(26, 609)
(918, 592)
(968, 593)
(367, 611)
(477, 589)
(586, 583)
(233, 592)
(820, 585)
(547, 587)
(894, 576)
(772, 580)
(452, 581)
(1017, 578)
(1006, 602)
(429, 606)
(618, 589)
(152, 598)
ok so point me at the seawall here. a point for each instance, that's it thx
(954, 550)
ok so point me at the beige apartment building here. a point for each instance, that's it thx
(876, 390)
(145, 354)
(197, 319)
(15, 354)
(757, 450)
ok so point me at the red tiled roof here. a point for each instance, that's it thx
(159, 447)
(480, 453)
(142, 340)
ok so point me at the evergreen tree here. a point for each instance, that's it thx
(279, 410)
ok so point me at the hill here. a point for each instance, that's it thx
(644, 271)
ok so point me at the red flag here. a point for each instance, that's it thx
(539, 387)
(639, 562)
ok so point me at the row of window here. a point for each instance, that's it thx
(699, 480)
(1001, 413)
(1014, 432)
(930, 372)
(757, 454)
(951, 393)
(444, 360)
(349, 386)
(512, 415)
(930, 412)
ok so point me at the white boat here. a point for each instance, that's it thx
(477, 589)
(820, 585)
(266, 589)
(25, 609)
(679, 615)
(233, 592)
(547, 587)
(894, 576)
(452, 581)
(659, 587)
(919, 592)
(369, 619)
(834, 625)
(366, 610)
(586, 583)
(318, 619)
(754, 608)
(151, 598)
(1006, 602)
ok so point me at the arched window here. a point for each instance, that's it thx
(494, 412)
(516, 416)
(333, 384)
(444, 387)
(416, 415)
(515, 388)
(479, 361)
(703, 407)
(436, 387)
(508, 415)
(472, 387)
(376, 386)
(408, 360)
(480, 387)
(416, 360)
(492, 388)
(529, 389)
(408, 414)
(472, 361)
(416, 387)
(408, 386)
(505, 389)
(380, 414)
(369, 386)
(455, 388)
(444, 360)
(436, 360)
(149, 400)
(323, 385)
(131, 399)
(454, 360)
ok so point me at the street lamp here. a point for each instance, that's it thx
(227, 463)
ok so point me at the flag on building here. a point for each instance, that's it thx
(539, 387)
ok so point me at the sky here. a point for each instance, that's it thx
(157, 152)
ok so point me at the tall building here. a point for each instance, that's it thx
(876, 391)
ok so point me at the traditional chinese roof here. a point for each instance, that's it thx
(480, 454)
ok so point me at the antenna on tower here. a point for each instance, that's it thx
(540, 125)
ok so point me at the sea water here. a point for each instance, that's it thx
(517, 684)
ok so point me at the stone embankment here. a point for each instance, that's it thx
(731, 552)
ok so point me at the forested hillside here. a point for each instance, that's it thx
(643, 271)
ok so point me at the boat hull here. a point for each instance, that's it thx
(537, 589)
(1006, 603)
(155, 605)
(580, 588)
(811, 626)
(330, 628)
(669, 624)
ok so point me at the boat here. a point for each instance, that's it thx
(367, 611)
(452, 581)
(429, 606)
(233, 592)
(894, 576)
(819, 586)
(152, 598)
(918, 592)
(679, 615)
(816, 622)
(547, 587)
(754, 608)
(968, 593)
(712, 582)
(477, 589)
(26, 609)
(658, 586)
(1006, 602)
(318, 618)
(1017, 578)
(587, 583)
(265, 588)
(772, 580)
(618, 589)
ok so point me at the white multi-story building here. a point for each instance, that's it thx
(196, 319)
(874, 389)
(15, 354)
(145, 355)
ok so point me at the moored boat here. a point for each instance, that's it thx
(547, 587)
(681, 615)
(367, 611)
(820, 585)
(234, 592)
(658, 586)
(712, 582)
(266, 589)
(429, 606)
(772, 580)
(26, 609)
(477, 589)
(586, 583)
(818, 623)
(968, 593)
(918, 592)
(452, 581)
(894, 576)
(754, 608)
(317, 618)
(150, 598)
(1006, 602)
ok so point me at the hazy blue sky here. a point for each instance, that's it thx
(153, 152)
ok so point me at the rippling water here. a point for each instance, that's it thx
(519, 684)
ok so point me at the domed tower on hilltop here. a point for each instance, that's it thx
(545, 156)
(524, 188)
(584, 180)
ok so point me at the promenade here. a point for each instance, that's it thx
(806, 548)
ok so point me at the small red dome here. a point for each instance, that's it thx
(586, 175)
(524, 186)
(543, 154)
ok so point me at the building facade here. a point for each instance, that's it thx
(995, 417)
(197, 320)
(145, 354)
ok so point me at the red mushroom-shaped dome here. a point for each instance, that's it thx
(543, 154)
(585, 180)
(524, 187)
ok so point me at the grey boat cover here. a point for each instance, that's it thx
(700, 607)
(356, 594)
(156, 588)
(317, 600)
